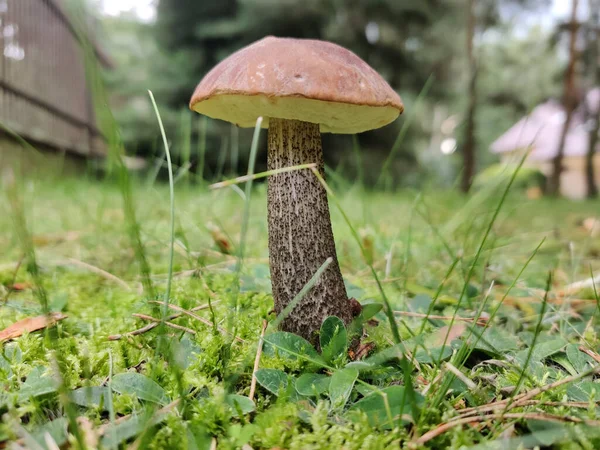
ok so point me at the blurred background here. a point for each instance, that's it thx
(484, 82)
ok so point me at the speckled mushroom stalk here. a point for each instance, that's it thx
(300, 87)
(300, 234)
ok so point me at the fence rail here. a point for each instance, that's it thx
(44, 94)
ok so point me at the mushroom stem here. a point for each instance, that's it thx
(300, 234)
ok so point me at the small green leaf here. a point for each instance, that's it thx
(376, 411)
(273, 380)
(13, 353)
(57, 429)
(548, 348)
(361, 365)
(198, 438)
(394, 352)
(312, 384)
(58, 303)
(541, 351)
(290, 345)
(547, 433)
(186, 351)
(369, 310)
(139, 386)
(420, 303)
(495, 341)
(562, 360)
(91, 396)
(581, 362)
(341, 386)
(583, 391)
(132, 427)
(239, 403)
(433, 355)
(242, 434)
(5, 368)
(39, 382)
(333, 339)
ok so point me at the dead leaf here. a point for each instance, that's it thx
(19, 286)
(362, 351)
(30, 325)
(453, 332)
(366, 236)
(57, 238)
(220, 239)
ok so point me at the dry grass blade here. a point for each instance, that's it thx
(523, 302)
(152, 325)
(257, 360)
(573, 288)
(257, 176)
(196, 317)
(482, 321)
(169, 324)
(30, 325)
(441, 429)
(97, 271)
(461, 376)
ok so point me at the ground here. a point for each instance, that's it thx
(508, 332)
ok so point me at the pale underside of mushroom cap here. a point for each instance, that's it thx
(297, 79)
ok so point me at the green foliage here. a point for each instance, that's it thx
(140, 386)
(333, 339)
(304, 398)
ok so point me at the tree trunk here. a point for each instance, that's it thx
(470, 144)
(300, 234)
(594, 55)
(589, 160)
(569, 102)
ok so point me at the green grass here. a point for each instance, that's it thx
(440, 265)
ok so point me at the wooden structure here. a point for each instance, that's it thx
(44, 94)
(538, 136)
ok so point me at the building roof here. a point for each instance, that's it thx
(541, 130)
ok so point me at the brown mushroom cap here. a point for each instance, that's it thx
(297, 79)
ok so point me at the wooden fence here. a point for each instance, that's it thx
(44, 94)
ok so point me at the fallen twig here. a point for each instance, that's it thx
(441, 429)
(194, 316)
(257, 360)
(595, 356)
(169, 324)
(153, 325)
(522, 399)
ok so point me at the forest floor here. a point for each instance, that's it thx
(500, 343)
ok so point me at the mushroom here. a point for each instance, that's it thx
(301, 88)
